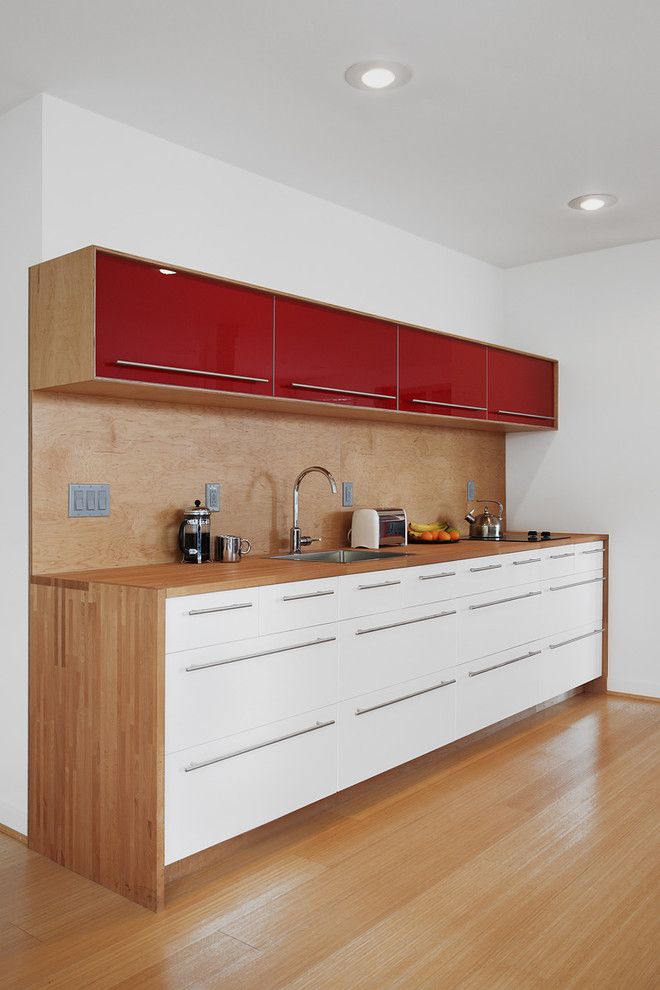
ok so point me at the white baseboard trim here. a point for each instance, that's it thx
(643, 689)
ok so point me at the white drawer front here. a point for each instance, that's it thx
(203, 620)
(383, 729)
(558, 562)
(298, 604)
(572, 602)
(379, 650)
(499, 620)
(571, 659)
(589, 557)
(219, 691)
(434, 583)
(504, 571)
(221, 789)
(367, 594)
(499, 686)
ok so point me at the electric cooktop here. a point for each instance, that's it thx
(533, 536)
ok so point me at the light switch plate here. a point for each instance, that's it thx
(347, 494)
(471, 491)
(212, 496)
(89, 500)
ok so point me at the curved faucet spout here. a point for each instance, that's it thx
(296, 541)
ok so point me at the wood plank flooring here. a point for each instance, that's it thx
(529, 859)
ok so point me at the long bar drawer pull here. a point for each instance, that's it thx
(433, 577)
(342, 391)
(532, 560)
(404, 697)
(560, 556)
(576, 584)
(502, 601)
(488, 567)
(220, 608)
(381, 584)
(496, 666)
(311, 594)
(448, 405)
(513, 412)
(404, 622)
(189, 371)
(555, 646)
(255, 656)
(593, 551)
(251, 749)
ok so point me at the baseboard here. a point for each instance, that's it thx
(635, 697)
(12, 833)
(13, 820)
(637, 689)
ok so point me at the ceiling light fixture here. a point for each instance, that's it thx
(592, 202)
(377, 74)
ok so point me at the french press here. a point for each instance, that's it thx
(195, 534)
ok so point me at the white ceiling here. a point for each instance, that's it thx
(515, 106)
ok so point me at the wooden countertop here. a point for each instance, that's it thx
(191, 579)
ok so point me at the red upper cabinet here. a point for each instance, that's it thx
(441, 375)
(329, 355)
(181, 329)
(521, 388)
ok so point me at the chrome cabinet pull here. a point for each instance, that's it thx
(577, 584)
(532, 560)
(251, 749)
(593, 551)
(434, 577)
(342, 391)
(502, 601)
(404, 622)
(265, 653)
(489, 567)
(513, 412)
(496, 666)
(555, 646)
(381, 584)
(449, 405)
(404, 697)
(311, 594)
(220, 608)
(190, 371)
(560, 556)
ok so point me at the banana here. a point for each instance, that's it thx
(426, 527)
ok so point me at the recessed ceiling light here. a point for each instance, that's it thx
(166, 271)
(592, 201)
(377, 74)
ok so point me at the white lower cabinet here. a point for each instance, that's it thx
(498, 686)
(275, 697)
(382, 729)
(378, 650)
(223, 788)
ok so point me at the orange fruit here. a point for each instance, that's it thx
(443, 537)
(427, 537)
(454, 535)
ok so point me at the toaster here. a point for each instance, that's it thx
(375, 528)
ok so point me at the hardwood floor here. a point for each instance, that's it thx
(530, 859)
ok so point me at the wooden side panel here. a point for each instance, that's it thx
(62, 320)
(599, 686)
(96, 734)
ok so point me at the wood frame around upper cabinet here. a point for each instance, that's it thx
(63, 358)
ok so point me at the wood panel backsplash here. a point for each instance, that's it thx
(157, 457)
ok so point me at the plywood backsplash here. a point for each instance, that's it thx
(157, 457)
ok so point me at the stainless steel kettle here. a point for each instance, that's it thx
(486, 525)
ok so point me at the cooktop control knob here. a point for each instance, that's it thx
(546, 534)
(532, 534)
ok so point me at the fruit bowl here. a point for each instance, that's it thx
(432, 533)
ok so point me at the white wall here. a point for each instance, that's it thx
(20, 246)
(599, 313)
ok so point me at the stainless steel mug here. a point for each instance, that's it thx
(230, 549)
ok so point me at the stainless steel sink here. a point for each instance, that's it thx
(339, 556)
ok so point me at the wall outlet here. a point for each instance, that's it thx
(471, 491)
(212, 495)
(89, 500)
(347, 494)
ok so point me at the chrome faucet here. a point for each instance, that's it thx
(296, 541)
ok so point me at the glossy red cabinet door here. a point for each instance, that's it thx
(328, 355)
(198, 332)
(521, 389)
(441, 375)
